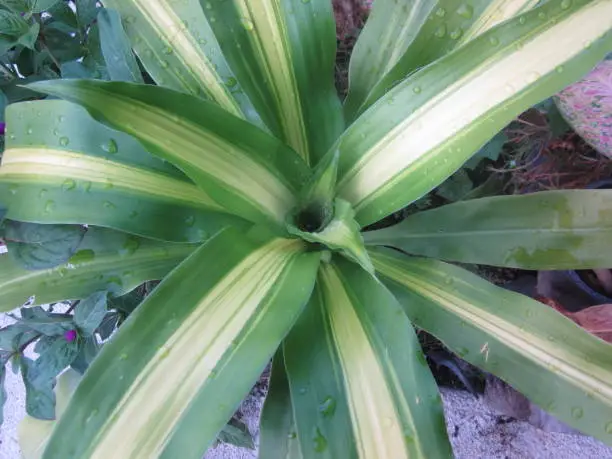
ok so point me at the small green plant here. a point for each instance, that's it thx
(243, 183)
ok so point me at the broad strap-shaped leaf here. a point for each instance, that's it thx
(277, 438)
(403, 36)
(420, 132)
(283, 54)
(61, 166)
(542, 354)
(361, 387)
(120, 60)
(167, 382)
(176, 45)
(244, 169)
(568, 229)
(106, 260)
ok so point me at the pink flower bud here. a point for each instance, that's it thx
(70, 335)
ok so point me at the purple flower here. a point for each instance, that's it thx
(2, 128)
(70, 335)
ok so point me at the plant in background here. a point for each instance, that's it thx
(240, 181)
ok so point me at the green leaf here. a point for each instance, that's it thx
(455, 187)
(40, 321)
(38, 6)
(61, 166)
(542, 354)
(414, 34)
(29, 38)
(341, 234)
(89, 313)
(108, 325)
(320, 189)
(106, 260)
(491, 150)
(51, 362)
(236, 433)
(61, 12)
(176, 45)
(425, 128)
(34, 433)
(87, 353)
(244, 169)
(277, 438)
(361, 386)
(540, 231)
(12, 25)
(86, 11)
(62, 45)
(120, 61)
(42, 246)
(9, 336)
(283, 54)
(17, 6)
(227, 318)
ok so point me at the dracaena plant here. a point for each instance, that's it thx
(243, 162)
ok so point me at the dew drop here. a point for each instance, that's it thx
(49, 206)
(108, 205)
(167, 50)
(63, 141)
(13, 189)
(318, 440)
(559, 69)
(292, 435)
(248, 24)
(164, 64)
(440, 12)
(416, 89)
(565, 4)
(466, 11)
(494, 41)
(440, 31)
(110, 147)
(131, 246)
(577, 412)
(202, 41)
(42, 193)
(456, 34)
(123, 356)
(542, 15)
(61, 118)
(190, 221)
(164, 352)
(208, 6)
(68, 185)
(303, 391)
(328, 406)
(231, 82)
(30, 131)
(609, 428)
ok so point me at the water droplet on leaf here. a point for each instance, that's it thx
(328, 406)
(63, 141)
(110, 147)
(440, 31)
(318, 440)
(49, 206)
(68, 185)
(577, 412)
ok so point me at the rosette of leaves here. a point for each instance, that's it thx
(243, 181)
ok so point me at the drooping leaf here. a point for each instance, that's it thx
(424, 129)
(89, 312)
(36, 246)
(277, 438)
(9, 335)
(61, 166)
(176, 45)
(542, 354)
(39, 321)
(33, 433)
(491, 150)
(108, 325)
(455, 187)
(548, 230)
(39, 399)
(128, 302)
(244, 169)
(106, 260)
(225, 318)
(361, 386)
(283, 53)
(120, 61)
(62, 45)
